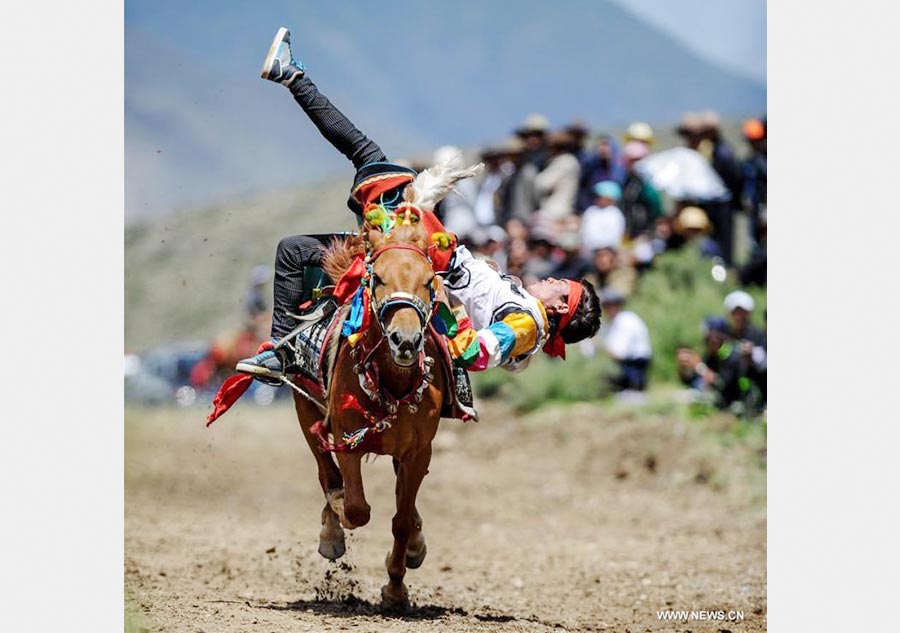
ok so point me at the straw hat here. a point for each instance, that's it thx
(533, 123)
(639, 131)
(691, 123)
(692, 218)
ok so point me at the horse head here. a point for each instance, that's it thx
(402, 285)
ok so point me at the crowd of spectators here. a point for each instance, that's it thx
(567, 203)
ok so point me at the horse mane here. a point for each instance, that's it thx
(339, 255)
(341, 252)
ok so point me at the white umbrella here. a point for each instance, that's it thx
(684, 174)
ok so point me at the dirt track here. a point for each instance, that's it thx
(569, 519)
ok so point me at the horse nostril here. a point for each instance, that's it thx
(395, 338)
(417, 340)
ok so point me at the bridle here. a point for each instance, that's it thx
(399, 298)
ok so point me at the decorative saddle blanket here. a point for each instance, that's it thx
(311, 344)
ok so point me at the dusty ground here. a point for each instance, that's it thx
(568, 519)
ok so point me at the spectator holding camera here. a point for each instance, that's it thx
(722, 370)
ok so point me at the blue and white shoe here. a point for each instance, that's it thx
(267, 366)
(280, 65)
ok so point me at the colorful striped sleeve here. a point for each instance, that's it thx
(514, 335)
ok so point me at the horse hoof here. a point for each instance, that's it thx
(332, 550)
(394, 600)
(414, 560)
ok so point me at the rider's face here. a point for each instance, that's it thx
(553, 293)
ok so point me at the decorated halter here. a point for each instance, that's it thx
(400, 298)
(356, 286)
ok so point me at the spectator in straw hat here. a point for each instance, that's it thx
(693, 225)
(519, 198)
(579, 131)
(641, 202)
(722, 155)
(557, 183)
(641, 132)
(689, 129)
(533, 133)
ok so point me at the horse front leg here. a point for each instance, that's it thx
(409, 478)
(332, 544)
(356, 511)
(415, 548)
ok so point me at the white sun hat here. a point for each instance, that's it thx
(739, 299)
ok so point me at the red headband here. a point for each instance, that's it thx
(556, 346)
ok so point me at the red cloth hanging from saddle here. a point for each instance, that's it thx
(232, 389)
(348, 284)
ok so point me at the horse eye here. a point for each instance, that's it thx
(376, 280)
(429, 282)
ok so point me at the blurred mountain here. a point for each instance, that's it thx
(201, 126)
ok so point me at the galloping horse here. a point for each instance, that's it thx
(385, 395)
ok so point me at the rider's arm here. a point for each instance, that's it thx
(470, 285)
(476, 350)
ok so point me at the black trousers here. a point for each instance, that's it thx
(294, 258)
(334, 126)
(298, 254)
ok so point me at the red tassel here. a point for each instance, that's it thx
(351, 403)
(318, 430)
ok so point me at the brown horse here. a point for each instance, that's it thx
(385, 397)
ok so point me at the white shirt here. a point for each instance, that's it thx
(627, 338)
(487, 297)
(602, 227)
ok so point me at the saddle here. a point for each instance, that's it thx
(311, 341)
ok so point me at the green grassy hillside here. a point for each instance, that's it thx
(185, 274)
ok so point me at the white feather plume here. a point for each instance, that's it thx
(434, 183)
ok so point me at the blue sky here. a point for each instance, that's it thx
(202, 126)
(732, 32)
